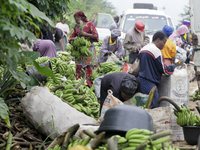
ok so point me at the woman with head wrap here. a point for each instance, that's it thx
(89, 33)
(111, 44)
(169, 51)
(176, 35)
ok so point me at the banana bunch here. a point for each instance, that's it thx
(108, 67)
(65, 56)
(62, 67)
(82, 142)
(196, 95)
(57, 147)
(51, 84)
(186, 117)
(80, 47)
(135, 137)
(84, 100)
(95, 74)
(41, 60)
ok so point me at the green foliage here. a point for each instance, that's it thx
(89, 7)
(14, 20)
(51, 8)
(4, 111)
(186, 14)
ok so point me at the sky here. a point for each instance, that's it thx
(172, 8)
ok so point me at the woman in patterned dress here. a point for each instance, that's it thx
(111, 44)
(90, 33)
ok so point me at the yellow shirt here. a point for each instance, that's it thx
(169, 50)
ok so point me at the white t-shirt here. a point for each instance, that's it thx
(63, 27)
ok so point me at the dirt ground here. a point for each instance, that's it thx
(192, 106)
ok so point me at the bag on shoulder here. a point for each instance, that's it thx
(135, 68)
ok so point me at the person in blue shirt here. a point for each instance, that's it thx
(152, 66)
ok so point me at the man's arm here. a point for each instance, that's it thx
(61, 44)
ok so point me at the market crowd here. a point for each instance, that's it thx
(156, 57)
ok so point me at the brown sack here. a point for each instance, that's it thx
(135, 68)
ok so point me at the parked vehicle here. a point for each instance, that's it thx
(153, 19)
(103, 22)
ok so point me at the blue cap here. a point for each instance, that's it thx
(167, 30)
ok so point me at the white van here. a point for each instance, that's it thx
(154, 21)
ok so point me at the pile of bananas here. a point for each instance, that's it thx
(80, 47)
(76, 93)
(186, 117)
(65, 56)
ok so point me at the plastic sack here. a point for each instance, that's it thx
(181, 56)
(135, 68)
(112, 58)
(109, 102)
(49, 114)
(141, 99)
(162, 119)
(126, 67)
(97, 86)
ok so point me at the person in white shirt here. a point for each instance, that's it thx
(65, 28)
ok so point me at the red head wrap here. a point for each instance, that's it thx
(82, 15)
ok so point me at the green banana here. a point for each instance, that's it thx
(159, 141)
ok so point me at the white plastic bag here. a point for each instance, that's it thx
(49, 113)
(109, 102)
(112, 58)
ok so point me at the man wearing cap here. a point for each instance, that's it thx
(134, 40)
(169, 51)
(123, 86)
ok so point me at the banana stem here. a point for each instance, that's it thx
(70, 132)
(57, 88)
(82, 81)
(160, 134)
(89, 133)
(96, 141)
(165, 98)
(112, 143)
(9, 141)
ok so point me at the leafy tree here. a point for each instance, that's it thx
(51, 8)
(16, 16)
(89, 7)
(186, 14)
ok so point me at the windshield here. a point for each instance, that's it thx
(170, 22)
(153, 23)
(104, 21)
